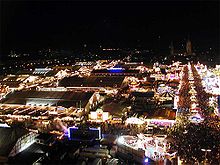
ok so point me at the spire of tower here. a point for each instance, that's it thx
(171, 48)
(188, 47)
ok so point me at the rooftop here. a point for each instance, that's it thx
(8, 139)
(28, 156)
(59, 98)
(92, 81)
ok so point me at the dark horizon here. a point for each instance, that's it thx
(28, 26)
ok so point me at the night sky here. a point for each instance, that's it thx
(27, 26)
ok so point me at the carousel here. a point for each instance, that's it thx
(156, 148)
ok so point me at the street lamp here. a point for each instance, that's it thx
(205, 150)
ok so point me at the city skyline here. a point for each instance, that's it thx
(108, 82)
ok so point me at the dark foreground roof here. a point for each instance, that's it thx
(8, 138)
(164, 113)
(28, 156)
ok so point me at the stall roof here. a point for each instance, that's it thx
(92, 81)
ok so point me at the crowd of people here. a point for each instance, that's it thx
(192, 140)
(202, 96)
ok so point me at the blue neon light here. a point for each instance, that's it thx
(115, 70)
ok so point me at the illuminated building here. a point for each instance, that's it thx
(99, 116)
(142, 148)
(14, 82)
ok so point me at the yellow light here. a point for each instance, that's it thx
(93, 115)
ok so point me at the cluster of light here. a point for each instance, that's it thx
(211, 78)
(134, 120)
(120, 140)
(4, 125)
(162, 89)
(41, 70)
(153, 147)
(99, 115)
(161, 120)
